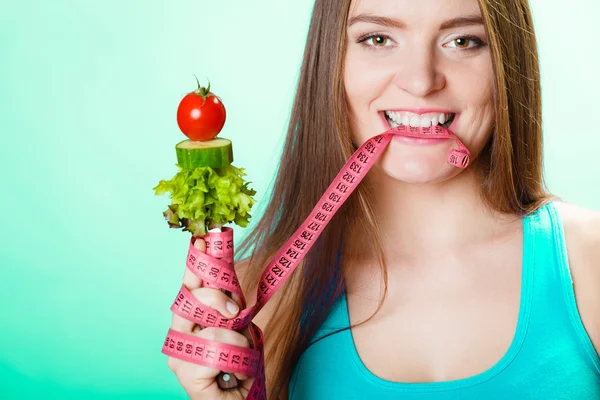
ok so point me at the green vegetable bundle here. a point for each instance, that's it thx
(205, 198)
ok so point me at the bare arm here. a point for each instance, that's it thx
(582, 235)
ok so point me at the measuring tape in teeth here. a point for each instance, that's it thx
(215, 267)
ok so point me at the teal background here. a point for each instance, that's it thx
(87, 123)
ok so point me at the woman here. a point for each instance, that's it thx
(456, 282)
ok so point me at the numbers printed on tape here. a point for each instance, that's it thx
(211, 354)
(215, 268)
(186, 306)
(213, 271)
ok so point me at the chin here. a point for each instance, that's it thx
(416, 165)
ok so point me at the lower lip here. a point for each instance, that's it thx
(418, 141)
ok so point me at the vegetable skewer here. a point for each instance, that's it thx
(207, 192)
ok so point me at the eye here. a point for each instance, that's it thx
(379, 41)
(375, 40)
(467, 43)
(462, 43)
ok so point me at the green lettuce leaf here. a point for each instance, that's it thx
(205, 196)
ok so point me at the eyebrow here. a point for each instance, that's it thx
(472, 19)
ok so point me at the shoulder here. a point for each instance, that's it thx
(582, 236)
(579, 217)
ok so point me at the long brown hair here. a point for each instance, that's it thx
(318, 143)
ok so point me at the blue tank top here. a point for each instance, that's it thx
(551, 356)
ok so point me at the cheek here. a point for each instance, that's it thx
(354, 80)
(363, 80)
(487, 109)
(477, 94)
(482, 91)
(483, 108)
(364, 83)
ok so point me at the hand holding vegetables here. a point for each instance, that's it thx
(207, 192)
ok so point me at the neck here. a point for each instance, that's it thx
(424, 221)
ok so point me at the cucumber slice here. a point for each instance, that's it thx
(215, 153)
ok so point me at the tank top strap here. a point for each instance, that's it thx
(554, 315)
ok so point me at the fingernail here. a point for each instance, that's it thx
(232, 307)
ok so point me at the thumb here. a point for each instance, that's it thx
(200, 244)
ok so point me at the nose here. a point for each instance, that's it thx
(419, 73)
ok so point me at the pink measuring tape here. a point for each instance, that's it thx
(215, 268)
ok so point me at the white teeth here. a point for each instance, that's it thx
(406, 118)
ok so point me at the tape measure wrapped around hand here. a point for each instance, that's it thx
(207, 193)
(215, 268)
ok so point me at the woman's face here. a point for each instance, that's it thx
(419, 63)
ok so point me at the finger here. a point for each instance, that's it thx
(237, 298)
(226, 336)
(200, 244)
(217, 335)
(190, 280)
(200, 380)
(212, 298)
(217, 300)
(181, 324)
(222, 335)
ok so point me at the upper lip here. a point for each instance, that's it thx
(420, 111)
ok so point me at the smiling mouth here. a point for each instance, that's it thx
(397, 118)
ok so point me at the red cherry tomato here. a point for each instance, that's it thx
(201, 115)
